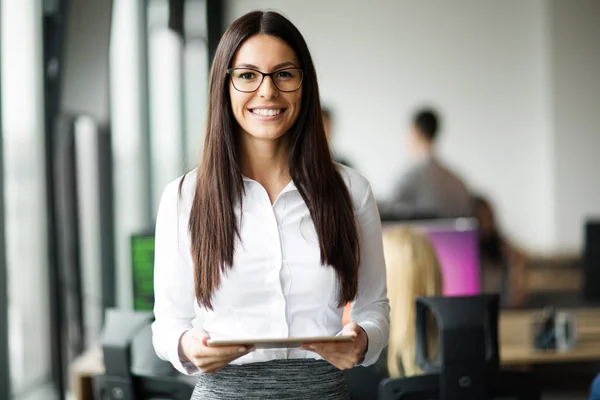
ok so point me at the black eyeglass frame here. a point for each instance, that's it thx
(263, 75)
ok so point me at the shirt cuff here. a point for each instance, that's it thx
(374, 342)
(175, 356)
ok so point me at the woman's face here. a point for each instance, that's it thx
(266, 113)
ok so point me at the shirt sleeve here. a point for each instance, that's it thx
(174, 294)
(370, 309)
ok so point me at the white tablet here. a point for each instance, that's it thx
(279, 343)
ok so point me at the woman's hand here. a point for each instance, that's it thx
(193, 346)
(343, 355)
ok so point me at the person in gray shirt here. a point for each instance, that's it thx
(430, 188)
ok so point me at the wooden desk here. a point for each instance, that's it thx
(554, 280)
(516, 335)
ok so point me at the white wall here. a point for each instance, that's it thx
(485, 64)
(576, 117)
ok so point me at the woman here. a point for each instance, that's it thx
(413, 270)
(268, 237)
(503, 264)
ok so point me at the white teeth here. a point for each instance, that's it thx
(269, 112)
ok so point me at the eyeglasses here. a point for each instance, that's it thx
(249, 80)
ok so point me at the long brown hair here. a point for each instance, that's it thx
(212, 223)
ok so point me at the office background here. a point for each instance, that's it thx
(517, 83)
(124, 83)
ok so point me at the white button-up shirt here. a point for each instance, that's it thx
(277, 287)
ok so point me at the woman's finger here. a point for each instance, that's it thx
(341, 348)
(223, 352)
(341, 355)
(328, 347)
(205, 363)
(339, 360)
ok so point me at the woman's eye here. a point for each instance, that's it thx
(247, 75)
(285, 75)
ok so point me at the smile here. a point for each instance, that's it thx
(267, 112)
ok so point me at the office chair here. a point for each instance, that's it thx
(468, 366)
(132, 369)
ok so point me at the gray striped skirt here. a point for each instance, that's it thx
(276, 379)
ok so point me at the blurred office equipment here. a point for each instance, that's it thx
(554, 330)
(468, 366)
(142, 264)
(457, 247)
(132, 369)
(591, 261)
(518, 330)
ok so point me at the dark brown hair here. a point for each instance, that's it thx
(427, 122)
(212, 223)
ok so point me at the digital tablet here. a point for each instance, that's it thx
(279, 343)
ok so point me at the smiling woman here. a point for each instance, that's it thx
(268, 238)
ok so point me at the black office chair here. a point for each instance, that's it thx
(468, 366)
(132, 369)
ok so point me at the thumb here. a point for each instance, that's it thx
(205, 341)
(349, 329)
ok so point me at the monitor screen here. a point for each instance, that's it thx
(142, 260)
(456, 243)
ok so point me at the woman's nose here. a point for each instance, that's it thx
(268, 89)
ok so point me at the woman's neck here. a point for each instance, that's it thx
(266, 161)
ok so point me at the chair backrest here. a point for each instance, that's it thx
(468, 331)
(468, 366)
(468, 342)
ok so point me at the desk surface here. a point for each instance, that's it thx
(516, 333)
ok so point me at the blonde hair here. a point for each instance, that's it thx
(412, 270)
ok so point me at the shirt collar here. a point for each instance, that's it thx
(290, 187)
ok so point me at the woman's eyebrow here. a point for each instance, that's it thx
(284, 64)
(275, 68)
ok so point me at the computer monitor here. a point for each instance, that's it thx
(456, 242)
(142, 266)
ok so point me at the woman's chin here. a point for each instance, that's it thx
(266, 134)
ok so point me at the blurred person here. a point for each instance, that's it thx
(327, 114)
(413, 270)
(503, 264)
(267, 237)
(429, 188)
